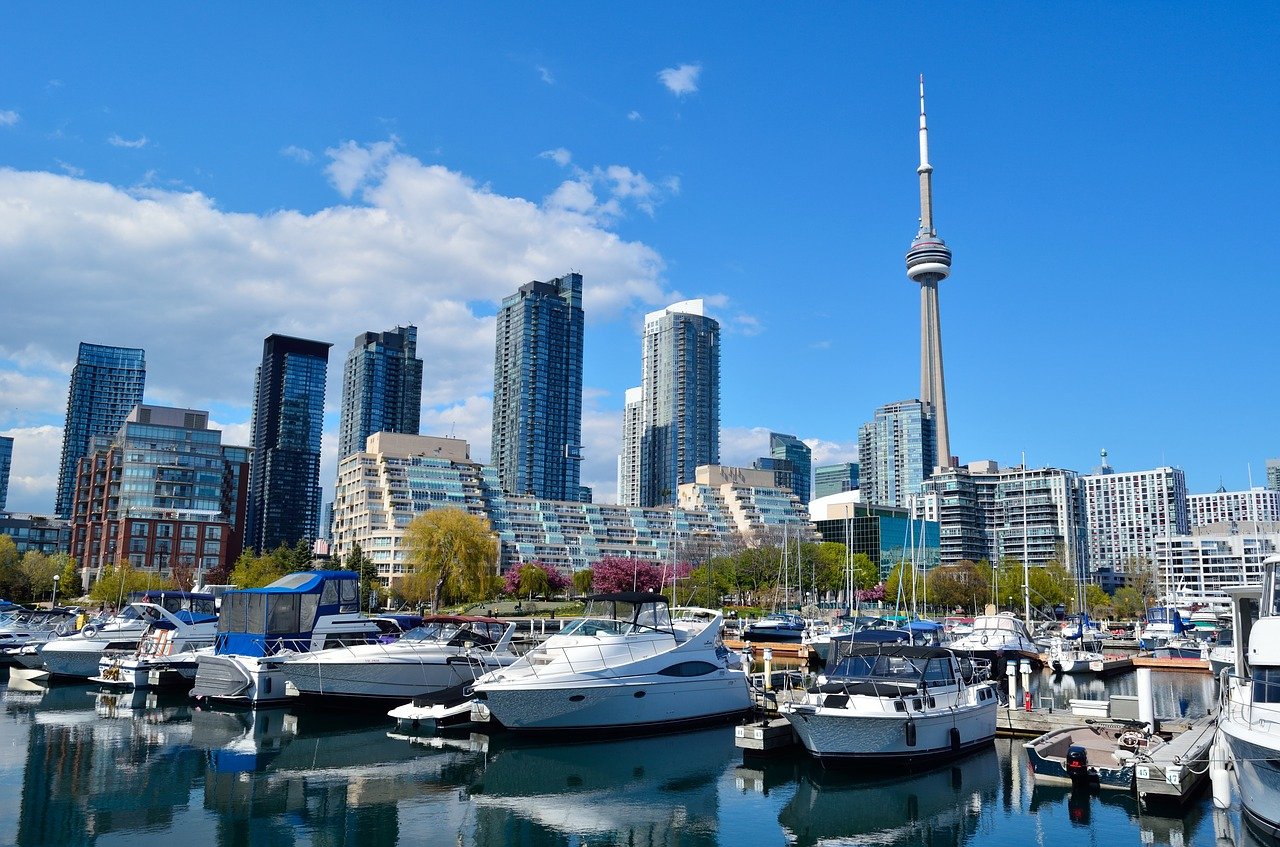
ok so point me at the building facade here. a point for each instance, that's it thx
(1198, 568)
(288, 417)
(1040, 518)
(381, 387)
(106, 383)
(6, 463)
(537, 389)
(1255, 506)
(162, 494)
(1126, 512)
(399, 477)
(632, 438)
(791, 449)
(887, 535)
(896, 452)
(41, 533)
(680, 388)
(1273, 474)
(835, 479)
(962, 500)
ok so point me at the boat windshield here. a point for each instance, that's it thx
(905, 670)
(619, 617)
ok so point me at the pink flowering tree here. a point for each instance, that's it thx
(620, 573)
(871, 595)
(535, 578)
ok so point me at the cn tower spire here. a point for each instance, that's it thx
(928, 263)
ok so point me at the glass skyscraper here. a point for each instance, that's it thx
(800, 456)
(897, 452)
(288, 415)
(680, 390)
(835, 479)
(381, 387)
(537, 390)
(106, 383)
(6, 462)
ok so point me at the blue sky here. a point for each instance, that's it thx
(189, 180)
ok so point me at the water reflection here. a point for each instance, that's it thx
(941, 807)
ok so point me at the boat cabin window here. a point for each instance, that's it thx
(689, 669)
(1266, 685)
(938, 672)
(282, 614)
(1270, 597)
(620, 618)
(350, 595)
(891, 668)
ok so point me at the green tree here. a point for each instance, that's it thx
(40, 570)
(452, 555)
(828, 561)
(866, 573)
(1128, 603)
(116, 584)
(9, 556)
(964, 585)
(299, 556)
(70, 586)
(532, 580)
(253, 571)
(1009, 584)
(1140, 575)
(1051, 585)
(368, 569)
(1097, 601)
(582, 581)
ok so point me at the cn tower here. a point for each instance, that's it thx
(928, 263)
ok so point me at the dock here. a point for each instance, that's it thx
(790, 650)
(1181, 665)
(1111, 665)
(1179, 769)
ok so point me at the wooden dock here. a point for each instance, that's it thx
(1180, 665)
(792, 650)
(1179, 769)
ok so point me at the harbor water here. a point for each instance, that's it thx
(78, 766)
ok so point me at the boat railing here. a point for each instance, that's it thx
(585, 658)
(1256, 712)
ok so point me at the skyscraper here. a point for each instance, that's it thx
(632, 436)
(106, 383)
(800, 456)
(928, 263)
(6, 462)
(381, 387)
(896, 452)
(834, 479)
(288, 415)
(680, 386)
(1126, 512)
(537, 390)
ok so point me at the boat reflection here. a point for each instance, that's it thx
(1079, 806)
(944, 806)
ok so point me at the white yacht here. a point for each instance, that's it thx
(625, 665)
(895, 703)
(166, 653)
(1249, 714)
(258, 628)
(445, 651)
(78, 656)
(20, 627)
(1075, 656)
(999, 635)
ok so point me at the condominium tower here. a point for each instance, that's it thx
(381, 387)
(796, 452)
(896, 452)
(6, 462)
(288, 417)
(537, 390)
(835, 479)
(106, 383)
(1126, 512)
(680, 402)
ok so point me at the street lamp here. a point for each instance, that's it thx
(56, 580)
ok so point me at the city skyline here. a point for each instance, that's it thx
(777, 193)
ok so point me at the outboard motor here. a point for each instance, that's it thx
(1078, 764)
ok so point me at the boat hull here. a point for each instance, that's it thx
(637, 704)
(831, 736)
(380, 681)
(240, 680)
(72, 659)
(1257, 769)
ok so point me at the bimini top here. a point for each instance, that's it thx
(304, 582)
(635, 597)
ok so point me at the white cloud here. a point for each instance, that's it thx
(33, 477)
(740, 446)
(199, 288)
(115, 140)
(682, 79)
(560, 156)
(298, 154)
(69, 169)
(832, 452)
(8, 118)
(633, 115)
(546, 76)
(621, 184)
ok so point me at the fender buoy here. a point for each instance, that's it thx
(89, 631)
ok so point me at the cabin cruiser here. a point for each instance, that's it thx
(20, 627)
(443, 652)
(1075, 656)
(166, 653)
(259, 628)
(999, 636)
(777, 628)
(1249, 711)
(1162, 625)
(78, 656)
(895, 703)
(624, 665)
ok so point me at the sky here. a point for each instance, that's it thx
(192, 179)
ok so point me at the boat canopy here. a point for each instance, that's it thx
(638, 609)
(895, 665)
(285, 611)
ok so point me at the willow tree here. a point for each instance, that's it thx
(452, 555)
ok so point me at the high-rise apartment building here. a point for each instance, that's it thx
(1200, 567)
(834, 479)
(537, 390)
(632, 437)
(1255, 506)
(288, 417)
(796, 452)
(381, 387)
(680, 400)
(106, 383)
(1126, 512)
(1040, 518)
(962, 500)
(6, 462)
(896, 451)
(164, 492)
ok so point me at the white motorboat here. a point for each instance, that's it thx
(1223, 654)
(78, 656)
(895, 703)
(1249, 712)
(624, 666)
(1161, 625)
(259, 628)
(166, 653)
(444, 652)
(1071, 657)
(999, 636)
(20, 627)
